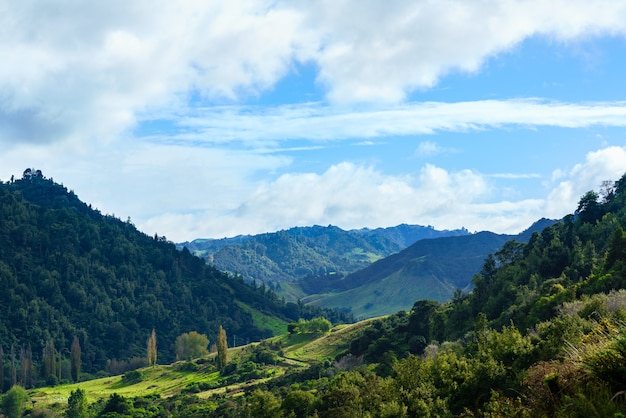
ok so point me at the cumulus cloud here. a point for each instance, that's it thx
(605, 164)
(376, 51)
(90, 70)
(351, 196)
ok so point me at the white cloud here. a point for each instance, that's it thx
(89, 70)
(353, 196)
(605, 164)
(379, 52)
(427, 149)
(315, 121)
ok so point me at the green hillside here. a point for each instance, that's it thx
(67, 271)
(199, 382)
(541, 334)
(429, 269)
(297, 253)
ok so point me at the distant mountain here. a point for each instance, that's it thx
(428, 269)
(290, 255)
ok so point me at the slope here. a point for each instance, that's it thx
(429, 269)
(68, 271)
(290, 255)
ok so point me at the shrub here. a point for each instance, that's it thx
(132, 377)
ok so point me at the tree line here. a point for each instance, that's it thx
(67, 271)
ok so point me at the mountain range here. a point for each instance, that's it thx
(367, 272)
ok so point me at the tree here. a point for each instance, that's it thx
(222, 348)
(26, 367)
(152, 349)
(13, 367)
(13, 402)
(589, 208)
(49, 359)
(264, 404)
(75, 352)
(1, 369)
(77, 404)
(191, 345)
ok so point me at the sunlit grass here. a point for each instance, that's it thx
(295, 351)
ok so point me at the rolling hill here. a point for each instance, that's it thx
(428, 269)
(68, 271)
(292, 254)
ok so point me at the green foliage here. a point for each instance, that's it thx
(67, 270)
(132, 377)
(77, 404)
(314, 253)
(313, 326)
(116, 406)
(13, 402)
(191, 345)
(222, 349)
(298, 403)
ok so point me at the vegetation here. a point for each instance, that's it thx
(191, 345)
(543, 333)
(152, 349)
(222, 349)
(429, 269)
(67, 271)
(297, 253)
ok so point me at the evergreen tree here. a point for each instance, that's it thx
(222, 349)
(59, 365)
(152, 348)
(75, 351)
(77, 404)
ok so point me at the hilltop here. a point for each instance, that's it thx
(68, 271)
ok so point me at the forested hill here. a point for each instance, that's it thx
(429, 269)
(290, 255)
(66, 270)
(541, 334)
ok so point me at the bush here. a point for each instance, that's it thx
(188, 366)
(132, 377)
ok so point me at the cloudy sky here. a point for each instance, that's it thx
(216, 118)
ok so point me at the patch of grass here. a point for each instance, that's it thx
(291, 351)
(263, 321)
(394, 293)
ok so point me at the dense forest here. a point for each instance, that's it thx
(542, 334)
(67, 272)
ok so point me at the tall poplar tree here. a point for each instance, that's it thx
(49, 359)
(13, 367)
(1, 369)
(152, 349)
(222, 349)
(75, 352)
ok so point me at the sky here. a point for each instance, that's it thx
(209, 119)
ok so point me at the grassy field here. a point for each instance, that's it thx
(291, 351)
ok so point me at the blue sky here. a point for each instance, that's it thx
(212, 119)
